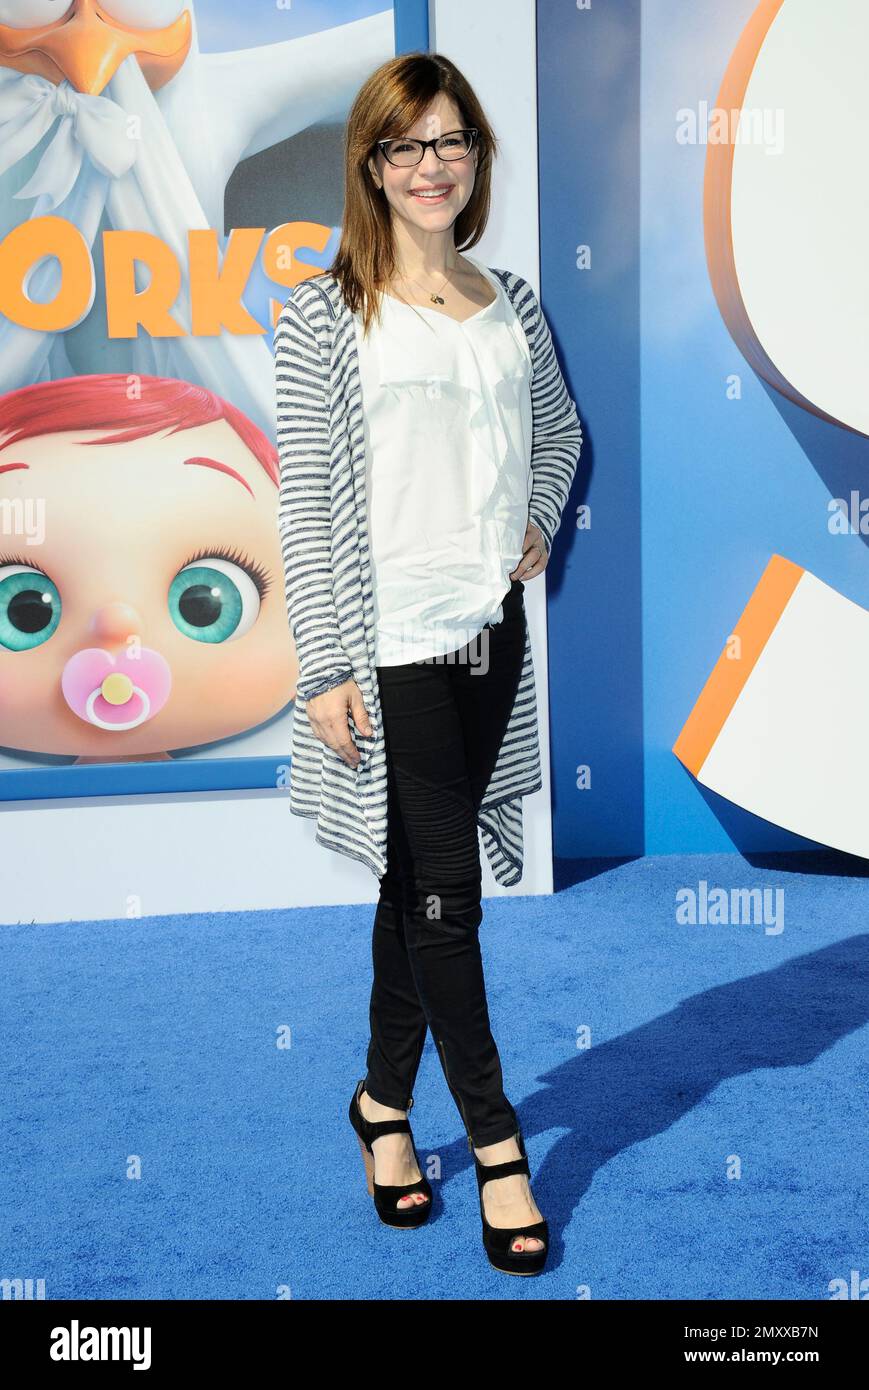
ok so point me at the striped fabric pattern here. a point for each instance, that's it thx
(323, 524)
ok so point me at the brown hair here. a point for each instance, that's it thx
(390, 101)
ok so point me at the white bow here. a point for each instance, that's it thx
(30, 105)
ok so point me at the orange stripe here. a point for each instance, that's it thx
(718, 185)
(729, 674)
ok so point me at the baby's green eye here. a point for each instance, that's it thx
(213, 600)
(29, 608)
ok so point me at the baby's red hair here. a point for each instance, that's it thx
(103, 402)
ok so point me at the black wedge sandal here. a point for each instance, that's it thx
(386, 1198)
(496, 1239)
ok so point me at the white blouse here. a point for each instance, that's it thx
(447, 417)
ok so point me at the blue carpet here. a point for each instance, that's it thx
(710, 1143)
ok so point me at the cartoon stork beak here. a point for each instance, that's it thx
(87, 47)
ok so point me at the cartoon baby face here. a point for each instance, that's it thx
(142, 605)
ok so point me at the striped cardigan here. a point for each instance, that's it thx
(323, 524)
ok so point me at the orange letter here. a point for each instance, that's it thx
(216, 290)
(20, 253)
(279, 255)
(127, 309)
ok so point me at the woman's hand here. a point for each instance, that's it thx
(327, 715)
(534, 554)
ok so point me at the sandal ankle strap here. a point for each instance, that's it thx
(378, 1127)
(487, 1171)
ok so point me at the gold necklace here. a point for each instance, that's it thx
(435, 298)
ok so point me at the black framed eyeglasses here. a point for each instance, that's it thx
(455, 144)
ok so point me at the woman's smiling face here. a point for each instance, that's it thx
(453, 178)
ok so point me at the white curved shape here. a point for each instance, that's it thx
(797, 200)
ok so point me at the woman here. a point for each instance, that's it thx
(427, 445)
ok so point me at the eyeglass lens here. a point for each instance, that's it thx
(453, 146)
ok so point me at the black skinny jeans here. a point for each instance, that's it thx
(444, 721)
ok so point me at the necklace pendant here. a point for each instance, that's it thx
(436, 299)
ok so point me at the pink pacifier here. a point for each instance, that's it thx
(116, 692)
